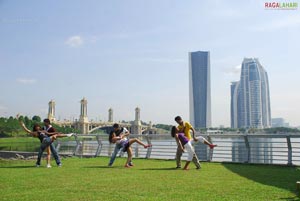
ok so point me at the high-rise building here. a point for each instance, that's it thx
(200, 95)
(250, 97)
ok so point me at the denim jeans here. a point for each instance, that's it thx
(55, 154)
(118, 147)
(45, 143)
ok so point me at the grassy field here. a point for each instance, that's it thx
(91, 179)
(29, 143)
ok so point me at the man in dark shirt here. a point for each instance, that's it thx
(117, 130)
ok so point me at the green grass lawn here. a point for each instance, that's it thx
(91, 179)
(28, 144)
(19, 144)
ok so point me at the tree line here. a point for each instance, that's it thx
(10, 127)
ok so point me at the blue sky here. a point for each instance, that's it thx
(123, 54)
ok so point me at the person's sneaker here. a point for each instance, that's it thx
(37, 165)
(70, 134)
(211, 146)
(178, 167)
(49, 166)
(130, 164)
(198, 168)
(59, 165)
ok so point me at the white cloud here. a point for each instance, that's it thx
(74, 41)
(26, 81)
(233, 70)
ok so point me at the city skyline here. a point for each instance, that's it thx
(122, 55)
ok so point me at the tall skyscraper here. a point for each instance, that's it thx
(200, 96)
(250, 97)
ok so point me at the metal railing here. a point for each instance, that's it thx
(251, 148)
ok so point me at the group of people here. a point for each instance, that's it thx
(120, 137)
(184, 140)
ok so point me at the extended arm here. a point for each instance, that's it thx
(178, 142)
(115, 138)
(51, 133)
(34, 134)
(193, 131)
(125, 135)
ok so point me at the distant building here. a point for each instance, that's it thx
(250, 97)
(279, 122)
(200, 95)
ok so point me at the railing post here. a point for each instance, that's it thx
(289, 145)
(136, 150)
(77, 145)
(99, 146)
(149, 150)
(211, 151)
(248, 149)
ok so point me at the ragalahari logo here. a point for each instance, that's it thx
(281, 5)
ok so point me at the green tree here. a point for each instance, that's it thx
(36, 118)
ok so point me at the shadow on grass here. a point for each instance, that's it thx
(272, 175)
(104, 167)
(20, 167)
(160, 169)
(291, 198)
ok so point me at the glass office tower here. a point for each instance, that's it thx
(250, 97)
(200, 95)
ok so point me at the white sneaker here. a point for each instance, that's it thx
(49, 166)
(70, 134)
(36, 165)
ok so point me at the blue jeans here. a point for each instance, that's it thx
(118, 147)
(55, 154)
(45, 143)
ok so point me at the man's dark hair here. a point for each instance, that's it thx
(116, 126)
(178, 118)
(47, 121)
(173, 131)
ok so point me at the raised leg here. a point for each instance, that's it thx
(131, 141)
